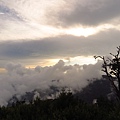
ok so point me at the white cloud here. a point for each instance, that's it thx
(18, 80)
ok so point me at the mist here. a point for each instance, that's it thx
(17, 80)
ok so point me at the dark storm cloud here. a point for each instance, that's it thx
(89, 12)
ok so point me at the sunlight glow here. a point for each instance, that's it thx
(2, 70)
(81, 60)
(81, 31)
(87, 31)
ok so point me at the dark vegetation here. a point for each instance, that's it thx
(95, 89)
(65, 107)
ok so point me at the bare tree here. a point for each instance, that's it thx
(111, 67)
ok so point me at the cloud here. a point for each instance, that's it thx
(59, 47)
(86, 13)
(18, 80)
(7, 12)
(34, 19)
(34, 31)
(16, 22)
(33, 10)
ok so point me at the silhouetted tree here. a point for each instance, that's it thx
(111, 67)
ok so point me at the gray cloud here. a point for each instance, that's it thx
(8, 16)
(87, 13)
(64, 45)
(9, 13)
(59, 47)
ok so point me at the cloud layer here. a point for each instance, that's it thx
(90, 13)
(18, 80)
(65, 46)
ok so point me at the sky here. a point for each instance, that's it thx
(41, 32)
(45, 32)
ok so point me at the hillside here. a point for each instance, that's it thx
(65, 107)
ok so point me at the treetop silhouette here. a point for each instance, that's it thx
(111, 67)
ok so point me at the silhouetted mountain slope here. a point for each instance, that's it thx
(94, 90)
